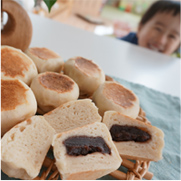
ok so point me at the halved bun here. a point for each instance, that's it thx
(24, 147)
(100, 158)
(143, 142)
(73, 114)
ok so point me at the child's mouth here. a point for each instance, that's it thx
(155, 48)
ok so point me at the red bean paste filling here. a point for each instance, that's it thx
(128, 133)
(83, 145)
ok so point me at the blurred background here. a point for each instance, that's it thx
(114, 18)
(102, 17)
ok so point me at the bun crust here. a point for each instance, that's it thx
(113, 96)
(53, 89)
(17, 103)
(16, 64)
(85, 73)
(45, 59)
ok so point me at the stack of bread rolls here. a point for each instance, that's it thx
(88, 136)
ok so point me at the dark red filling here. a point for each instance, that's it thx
(83, 145)
(128, 133)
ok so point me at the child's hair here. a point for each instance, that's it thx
(161, 6)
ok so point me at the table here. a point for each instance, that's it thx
(115, 57)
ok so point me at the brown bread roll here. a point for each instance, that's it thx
(17, 103)
(85, 73)
(45, 59)
(113, 96)
(53, 89)
(16, 64)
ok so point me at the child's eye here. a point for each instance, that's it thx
(158, 29)
(172, 37)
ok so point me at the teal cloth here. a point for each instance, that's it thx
(163, 111)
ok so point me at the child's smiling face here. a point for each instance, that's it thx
(161, 33)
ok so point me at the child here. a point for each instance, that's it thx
(159, 28)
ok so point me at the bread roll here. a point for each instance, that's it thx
(17, 103)
(113, 96)
(134, 139)
(85, 73)
(45, 59)
(24, 147)
(53, 89)
(73, 114)
(85, 153)
(16, 64)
